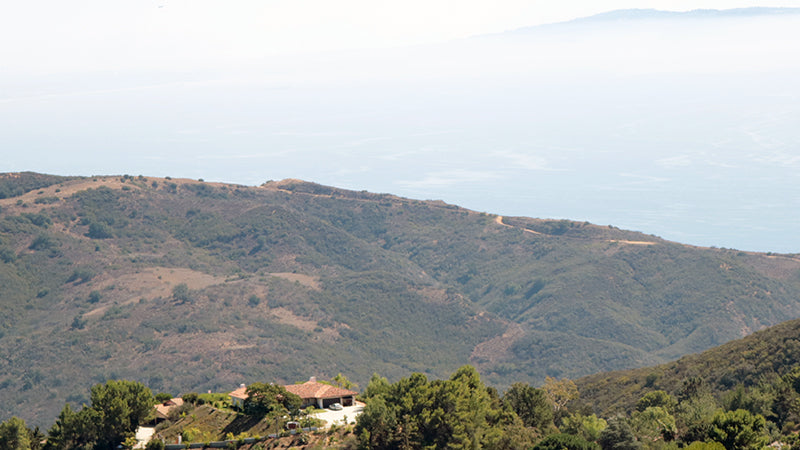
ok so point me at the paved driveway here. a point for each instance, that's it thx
(337, 417)
(143, 435)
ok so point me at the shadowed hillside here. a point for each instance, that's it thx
(762, 357)
(189, 286)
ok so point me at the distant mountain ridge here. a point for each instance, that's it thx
(637, 15)
(189, 285)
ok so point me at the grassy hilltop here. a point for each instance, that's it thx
(188, 285)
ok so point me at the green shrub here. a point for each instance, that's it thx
(78, 323)
(190, 397)
(7, 255)
(40, 220)
(94, 296)
(155, 444)
(99, 230)
(81, 275)
(46, 200)
(42, 242)
(181, 293)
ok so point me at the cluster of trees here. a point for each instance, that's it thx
(15, 435)
(117, 408)
(462, 413)
(459, 412)
(743, 417)
(266, 398)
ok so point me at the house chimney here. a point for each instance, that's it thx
(312, 379)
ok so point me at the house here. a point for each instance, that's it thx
(163, 409)
(238, 396)
(320, 395)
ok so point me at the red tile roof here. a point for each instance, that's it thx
(309, 389)
(240, 393)
(163, 409)
(313, 389)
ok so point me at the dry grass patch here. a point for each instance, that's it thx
(152, 283)
(305, 280)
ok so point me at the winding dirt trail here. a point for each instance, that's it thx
(499, 221)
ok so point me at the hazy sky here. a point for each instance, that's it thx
(56, 35)
(686, 129)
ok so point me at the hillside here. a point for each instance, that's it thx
(761, 357)
(189, 286)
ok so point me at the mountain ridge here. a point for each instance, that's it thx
(638, 14)
(192, 285)
(649, 13)
(634, 16)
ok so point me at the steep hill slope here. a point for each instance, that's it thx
(760, 357)
(187, 285)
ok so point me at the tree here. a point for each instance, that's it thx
(36, 438)
(618, 435)
(753, 400)
(377, 385)
(342, 381)
(697, 445)
(191, 397)
(562, 441)
(739, 430)
(691, 387)
(162, 397)
(263, 398)
(14, 435)
(653, 424)
(468, 402)
(457, 413)
(377, 425)
(512, 435)
(693, 416)
(785, 405)
(560, 392)
(122, 405)
(587, 427)
(530, 404)
(117, 409)
(656, 398)
(73, 430)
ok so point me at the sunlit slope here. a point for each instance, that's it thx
(760, 357)
(188, 286)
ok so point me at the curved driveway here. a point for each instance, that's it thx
(338, 417)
